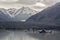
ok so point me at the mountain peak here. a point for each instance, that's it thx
(17, 14)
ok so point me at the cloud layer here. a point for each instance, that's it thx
(31, 3)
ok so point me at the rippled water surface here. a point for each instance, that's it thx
(21, 35)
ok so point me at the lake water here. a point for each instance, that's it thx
(22, 35)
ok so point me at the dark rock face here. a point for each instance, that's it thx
(49, 16)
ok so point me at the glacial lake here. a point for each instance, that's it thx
(22, 35)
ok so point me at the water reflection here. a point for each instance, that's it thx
(55, 35)
(21, 35)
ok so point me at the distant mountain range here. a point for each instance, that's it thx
(49, 18)
(24, 13)
(4, 15)
(13, 14)
(11, 10)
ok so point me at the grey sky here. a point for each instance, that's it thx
(20, 3)
(28, 1)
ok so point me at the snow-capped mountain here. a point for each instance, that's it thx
(24, 13)
(11, 10)
(49, 16)
(5, 11)
(4, 15)
(21, 14)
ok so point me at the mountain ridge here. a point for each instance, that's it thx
(18, 14)
(49, 16)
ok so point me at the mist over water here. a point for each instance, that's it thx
(21, 35)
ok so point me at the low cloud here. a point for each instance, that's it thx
(28, 2)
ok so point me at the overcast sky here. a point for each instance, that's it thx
(30, 3)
